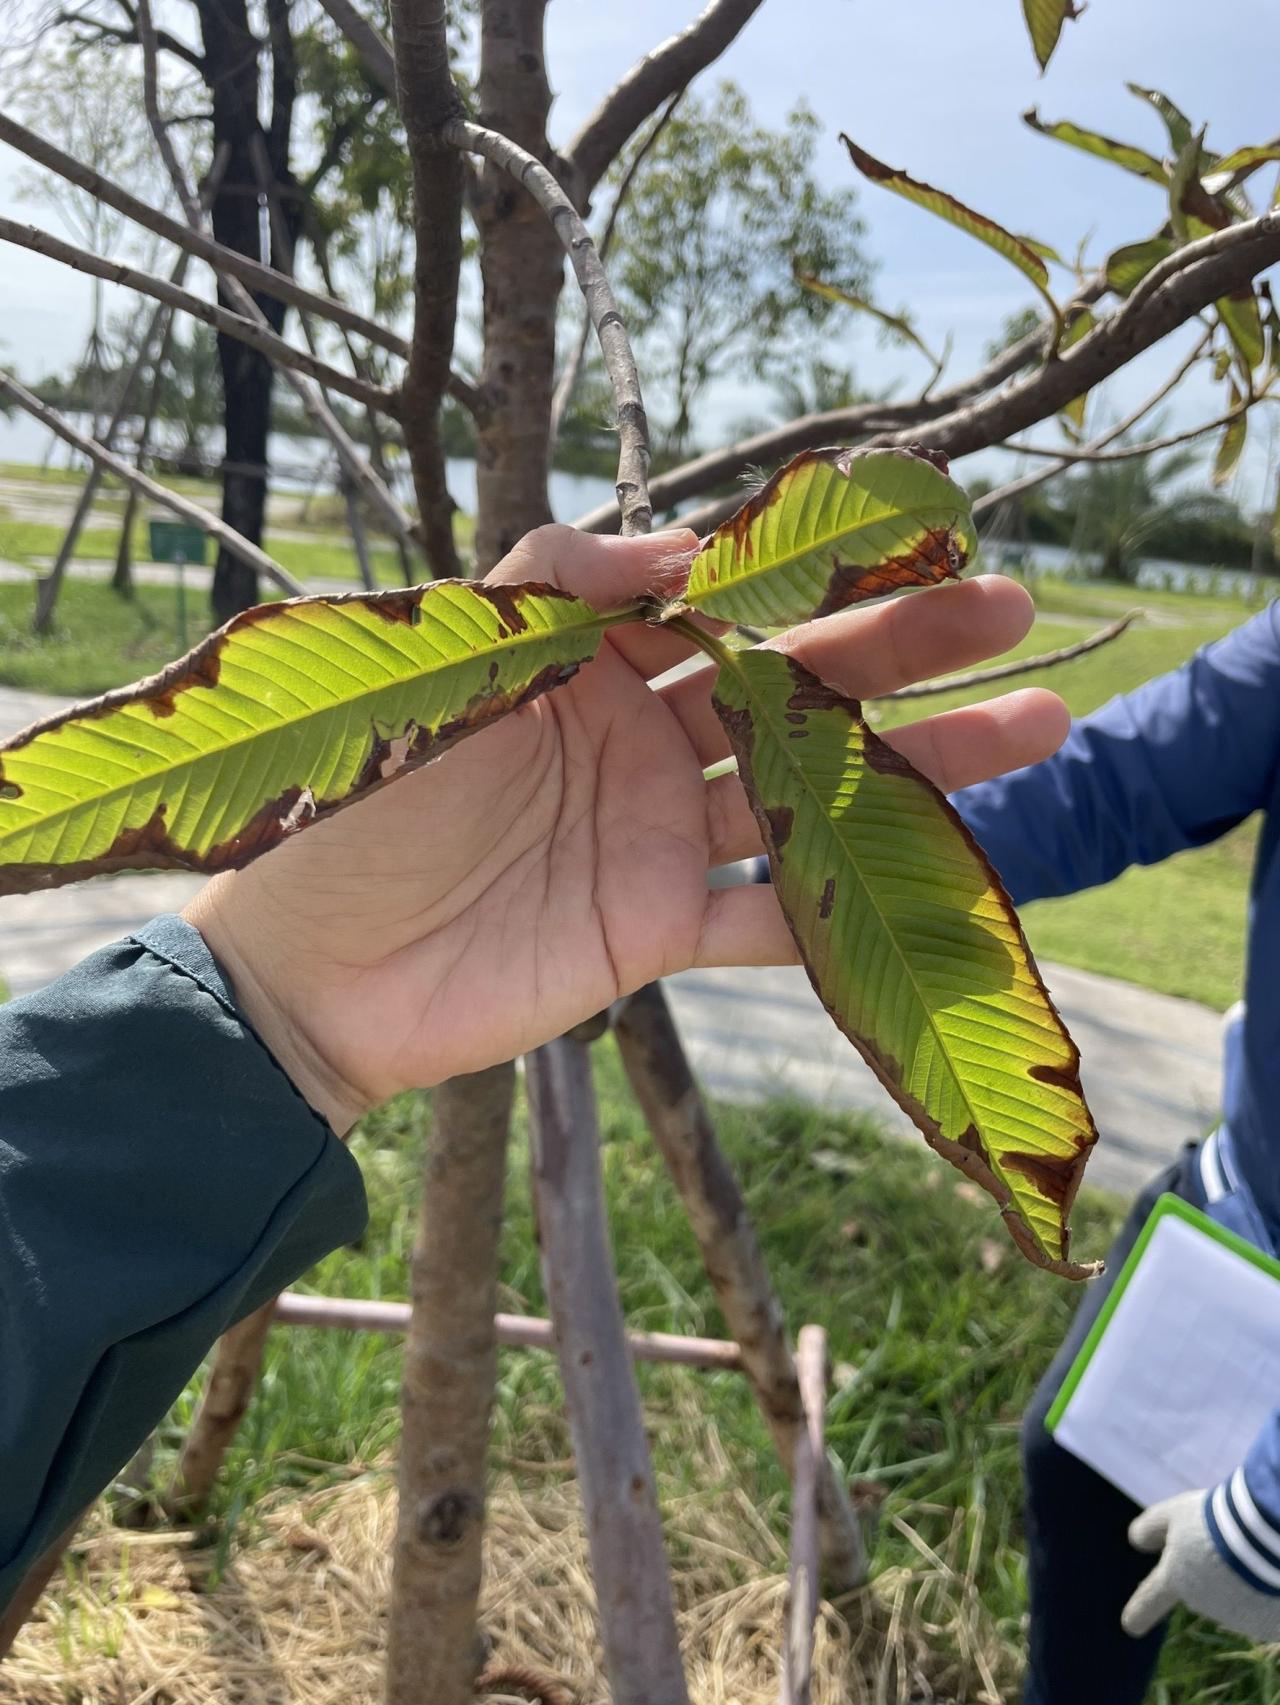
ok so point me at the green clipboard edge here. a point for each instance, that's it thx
(1165, 1205)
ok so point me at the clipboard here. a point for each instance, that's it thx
(1182, 1366)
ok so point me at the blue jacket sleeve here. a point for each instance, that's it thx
(160, 1177)
(1173, 765)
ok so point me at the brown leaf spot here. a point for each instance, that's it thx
(781, 820)
(935, 557)
(828, 899)
(811, 693)
(1061, 1077)
(510, 615)
(398, 606)
(204, 667)
(935, 458)
(1055, 1176)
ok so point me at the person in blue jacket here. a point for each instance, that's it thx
(1173, 765)
(170, 1111)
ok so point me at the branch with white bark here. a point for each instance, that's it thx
(1018, 666)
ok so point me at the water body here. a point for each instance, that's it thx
(1156, 573)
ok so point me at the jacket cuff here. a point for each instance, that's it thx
(1247, 1538)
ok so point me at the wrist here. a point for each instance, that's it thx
(268, 993)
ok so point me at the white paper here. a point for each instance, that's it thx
(1187, 1371)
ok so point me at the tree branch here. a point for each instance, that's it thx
(802, 1595)
(568, 382)
(371, 46)
(650, 82)
(112, 464)
(431, 102)
(1127, 452)
(1005, 671)
(227, 262)
(1205, 270)
(632, 484)
(221, 319)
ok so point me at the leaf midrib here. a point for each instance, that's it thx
(98, 800)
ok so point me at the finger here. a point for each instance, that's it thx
(1151, 1603)
(608, 572)
(953, 750)
(744, 926)
(864, 652)
(1149, 1531)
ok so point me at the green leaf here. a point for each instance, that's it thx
(1244, 160)
(287, 713)
(898, 324)
(1242, 317)
(1176, 121)
(1232, 445)
(912, 944)
(832, 528)
(1122, 154)
(1045, 19)
(1129, 265)
(1078, 326)
(1014, 249)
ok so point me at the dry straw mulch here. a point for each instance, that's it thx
(297, 1617)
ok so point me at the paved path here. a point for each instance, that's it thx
(1152, 1064)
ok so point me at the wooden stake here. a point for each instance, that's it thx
(802, 1597)
(236, 1361)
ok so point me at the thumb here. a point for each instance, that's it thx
(1148, 1531)
(602, 568)
(1151, 1603)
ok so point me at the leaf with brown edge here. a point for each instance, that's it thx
(1122, 154)
(1231, 447)
(1045, 19)
(912, 944)
(832, 528)
(289, 712)
(897, 324)
(1016, 250)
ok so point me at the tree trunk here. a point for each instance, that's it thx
(522, 267)
(449, 1373)
(231, 71)
(236, 1360)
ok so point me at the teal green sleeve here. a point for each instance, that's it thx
(160, 1177)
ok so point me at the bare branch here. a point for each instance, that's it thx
(514, 1331)
(221, 319)
(1019, 665)
(1128, 452)
(368, 41)
(1205, 270)
(632, 484)
(112, 464)
(568, 382)
(227, 262)
(836, 426)
(650, 82)
(313, 401)
(1015, 488)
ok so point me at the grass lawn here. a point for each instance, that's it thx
(939, 1331)
(1179, 926)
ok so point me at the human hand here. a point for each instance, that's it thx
(1192, 1571)
(558, 860)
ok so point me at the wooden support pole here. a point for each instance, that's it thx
(802, 1596)
(236, 1360)
(633, 1591)
(659, 1072)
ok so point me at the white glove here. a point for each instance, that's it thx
(1192, 1571)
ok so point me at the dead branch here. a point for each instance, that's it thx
(258, 337)
(568, 382)
(637, 1619)
(658, 1071)
(802, 1595)
(227, 262)
(1019, 665)
(513, 1331)
(632, 484)
(113, 464)
(368, 41)
(650, 82)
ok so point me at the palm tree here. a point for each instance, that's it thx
(1123, 508)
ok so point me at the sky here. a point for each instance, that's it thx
(932, 86)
